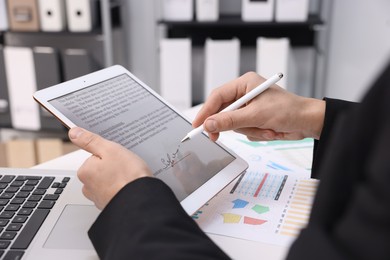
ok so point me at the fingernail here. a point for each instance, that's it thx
(75, 132)
(211, 125)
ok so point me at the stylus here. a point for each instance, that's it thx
(239, 102)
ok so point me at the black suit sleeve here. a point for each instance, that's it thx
(145, 221)
(334, 109)
(350, 218)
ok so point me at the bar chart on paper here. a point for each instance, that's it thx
(260, 185)
(297, 209)
(271, 201)
(263, 207)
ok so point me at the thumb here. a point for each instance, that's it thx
(87, 141)
(225, 121)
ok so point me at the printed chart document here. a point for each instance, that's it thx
(271, 201)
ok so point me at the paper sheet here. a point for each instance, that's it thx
(271, 202)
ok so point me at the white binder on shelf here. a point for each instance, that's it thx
(177, 10)
(81, 15)
(291, 10)
(175, 72)
(257, 10)
(21, 81)
(273, 55)
(52, 15)
(207, 10)
(5, 116)
(3, 16)
(222, 63)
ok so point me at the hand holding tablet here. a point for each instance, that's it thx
(116, 105)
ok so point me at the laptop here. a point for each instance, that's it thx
(44, 215)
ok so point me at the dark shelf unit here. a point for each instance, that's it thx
(301, 34)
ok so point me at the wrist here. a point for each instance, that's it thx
(313, 114)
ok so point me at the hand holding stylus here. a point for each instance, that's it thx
(240, 102)
(276, 114)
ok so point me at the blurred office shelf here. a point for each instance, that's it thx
(301, 34)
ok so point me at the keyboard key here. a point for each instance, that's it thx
(39, 192)
(58, 191)
(7, 178)
(31, 228)
(8, 235)
(27, 188)
(30, 204)
(45, 183)
(4, 244)
(21, 178)
(19, 219)
(66, 179)
(3, 202)
(35, 198)
(12, 207)
(51, 197)
(7, 215)
(3, 222)
(55, 185)
(31, 182)
(12, 190)
(33, 177)
(29, 177)
(13, 255)
(7, 196)
(62, 185)
(17, 201)
(14, 227)
(46, 204)
(22, 194)
(3, 185)
(25, 212)
(17, 183)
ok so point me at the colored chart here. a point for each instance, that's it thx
(260, 217)
(260, 185)
(297, 211)
(269, 203)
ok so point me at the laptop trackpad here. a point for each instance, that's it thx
(70, 231)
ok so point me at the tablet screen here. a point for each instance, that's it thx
(123, 111)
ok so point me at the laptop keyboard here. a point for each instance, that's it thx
(25, 202)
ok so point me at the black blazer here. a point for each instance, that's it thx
(350, 217)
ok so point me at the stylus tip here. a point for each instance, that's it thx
(185, 139)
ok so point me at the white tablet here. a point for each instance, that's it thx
(116, 105)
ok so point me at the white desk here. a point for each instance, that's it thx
(235, 248)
